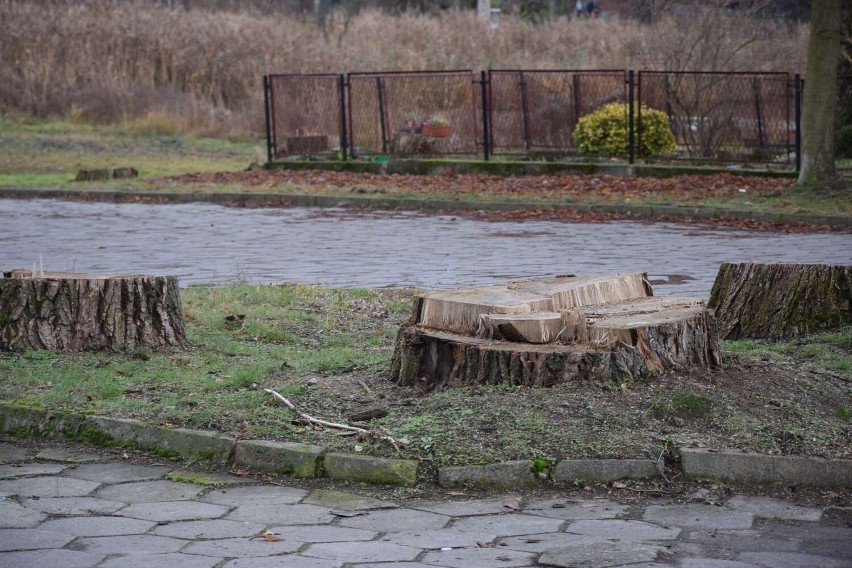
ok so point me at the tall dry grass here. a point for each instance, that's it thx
(112, 60)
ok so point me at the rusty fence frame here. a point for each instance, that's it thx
(477, 112)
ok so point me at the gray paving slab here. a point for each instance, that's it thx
(13, 515)
(345, 501)
(615, 529)
(98, 526)
(49, 557)
(323, 533)
(48, 487)
(508, 525)
(371, 551)
(162, 561)
(698, 516)
(242, 547)
(218, 528)
(792, 560)
(73, 505)
(478, 558)
(390, 565)
(546, 541)
(770, 508)
(274, 514)
(397, 520)
(149, 491)
(31, 539)
(174, 511)
(829, 541)
(10, 453)
(600, 555)
(287, 561)
(117, 472)
(467, 508)
(21, 470)
(594, 509)
(130, 544)
(65, 455)
(742, 540)
(254, 494)
(439, 538)
(712, 563)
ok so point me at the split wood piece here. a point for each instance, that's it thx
(576, 322)
(540, 327)
(578, 291)
(69, 311)
(106, 174)
(768, 300)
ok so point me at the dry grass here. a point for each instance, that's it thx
(111, 61)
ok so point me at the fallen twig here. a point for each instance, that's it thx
(311, 420)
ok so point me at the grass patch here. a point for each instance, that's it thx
(827, 351)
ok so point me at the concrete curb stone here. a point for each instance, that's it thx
(509, 474)
(369, 469)
(299, 460)
(567, 471)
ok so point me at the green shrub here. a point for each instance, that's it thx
(843, 142)
(605, 132)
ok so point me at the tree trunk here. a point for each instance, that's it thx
(75, 312)
(775, 300)
(820, 96)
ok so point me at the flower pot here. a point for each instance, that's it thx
(435, 131)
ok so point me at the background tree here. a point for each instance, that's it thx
(820, 97)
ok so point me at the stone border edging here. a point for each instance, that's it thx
(432, 205)
(308, 461)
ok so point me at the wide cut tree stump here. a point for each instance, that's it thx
(771, 300)
(545, 332)
(67, 311)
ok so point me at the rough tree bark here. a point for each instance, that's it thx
(75, 312)
(764, 300)
(820, 96)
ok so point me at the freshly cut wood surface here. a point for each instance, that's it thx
(772, 300)
(460, 310)
(577, 291)
(539, 327)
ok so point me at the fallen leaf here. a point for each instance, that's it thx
(347, 514)
(619, 485)
(239, 472)
(513, 504)
(271, 537)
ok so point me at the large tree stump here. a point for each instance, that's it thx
(68, 311)
(541, 333)
(768, 300)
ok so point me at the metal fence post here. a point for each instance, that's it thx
(268, 118)
(341, 82)
(525, 111)
(383, 123)
(761, 132)
(631, 124)
(798, 86)
(486, 134)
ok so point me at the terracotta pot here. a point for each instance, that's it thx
(441, 131)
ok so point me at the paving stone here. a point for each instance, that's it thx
(371, 551)
(323, 533)
(466, 508)
(66, 456)
(791, 560)
(391, 565)
(219, 528)
(508, 525)
(439, 538)
(593, 509)
(20, 470)
(343, 501)
(98, 526)
(13, 515)
(48, 487)
(829, 541)
(162, 561)
(131, 544)
(30, 539)
(698, 516)
(207, 479)
(174, 511)
(10, 453)
(50, 557)
(242, 547)
(73, 505)
(730, 542)
(545, 541)
(287, 561)
(712, 563)
(118, 472)
(397, 520)
(282, 514)
(255, 494)
(623, 530)
(769, 508)
(478, 558)
(600, 555)
(149, 492)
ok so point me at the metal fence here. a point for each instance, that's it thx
(715, 117)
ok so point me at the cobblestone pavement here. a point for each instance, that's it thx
(62, 507)
(206, 243)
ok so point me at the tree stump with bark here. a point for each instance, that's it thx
(771, 300)
(66, 311)
(545, 332)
